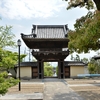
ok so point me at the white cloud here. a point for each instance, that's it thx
(17, 9)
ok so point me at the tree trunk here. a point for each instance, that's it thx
(97, 3)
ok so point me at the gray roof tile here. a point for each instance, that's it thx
(27, 64)
(74, 63)
(96, 57)
(50, 31)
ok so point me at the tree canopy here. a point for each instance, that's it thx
(48, 69)
(6, 83)
(93, 66)
(89, 4)
(77, 58)
(87, 28)
(6, 37)
(86, 34)
(7, 59)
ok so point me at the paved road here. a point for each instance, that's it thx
(57, 89)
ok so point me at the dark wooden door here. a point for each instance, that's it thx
(34, 72)
(67, 71)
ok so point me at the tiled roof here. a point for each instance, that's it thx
(96, 57)
(66, 63)
(74, 63)
(50, 31)
(27, 64)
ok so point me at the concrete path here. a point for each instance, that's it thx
(57, 89)
(26, 96)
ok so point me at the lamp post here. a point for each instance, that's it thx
(19, 44)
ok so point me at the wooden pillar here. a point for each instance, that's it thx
(61, 69)
(42, 74)
(39, 69)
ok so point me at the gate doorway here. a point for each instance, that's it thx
(50, 69)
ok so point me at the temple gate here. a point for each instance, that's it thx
(49, 43)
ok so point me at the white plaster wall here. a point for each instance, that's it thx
(75, 70)
(25, 72)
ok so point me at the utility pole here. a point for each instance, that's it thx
(29, 55)
(24, 53)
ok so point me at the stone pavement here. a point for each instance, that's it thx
(57, 89)
(28, 96)
(54, 89)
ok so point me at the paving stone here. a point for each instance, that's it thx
(59, 90)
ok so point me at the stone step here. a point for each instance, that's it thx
(29, 96)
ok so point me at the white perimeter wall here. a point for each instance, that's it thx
(75, 70)
(25, 72)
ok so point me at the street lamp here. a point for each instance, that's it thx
(19, 44)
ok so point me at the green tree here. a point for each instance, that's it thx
(6, 63)
(48, 69)
(77, 58)
(98, 64)
(57, 70)
(6, 83)
(92, 66)
(6, 37)
(7, 58)
(89, 4)
(98, 67)
(85, 60)
(86, 34)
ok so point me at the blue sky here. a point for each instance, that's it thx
(22, 14)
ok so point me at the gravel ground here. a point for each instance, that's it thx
(91, 92)
(27, 88)
(83, 81)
